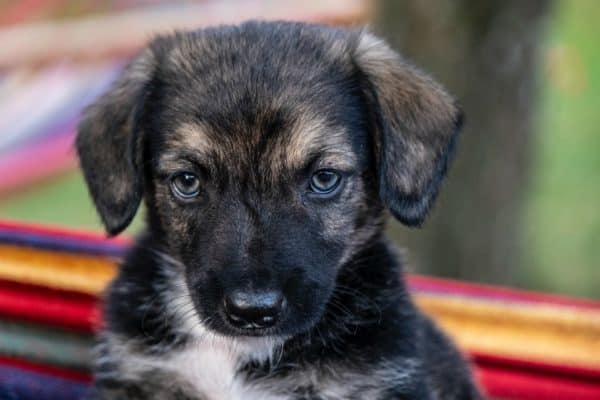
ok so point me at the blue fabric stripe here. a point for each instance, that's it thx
(17, 384)
(57, 243)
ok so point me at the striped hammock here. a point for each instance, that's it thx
(523, 345)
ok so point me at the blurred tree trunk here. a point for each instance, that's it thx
(485, 53)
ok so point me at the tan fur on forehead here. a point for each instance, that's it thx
(188, 137)
(308, 136)
(194, 136)
(311, 135)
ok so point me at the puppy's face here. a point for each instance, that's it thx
(262, 198)
(266, 154)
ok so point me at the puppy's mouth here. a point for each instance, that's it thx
(252, 313)
(249, 330)
(221, 324)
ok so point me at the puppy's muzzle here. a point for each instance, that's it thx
(254, 309)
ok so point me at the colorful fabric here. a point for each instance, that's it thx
(514, 323)
(524, 345)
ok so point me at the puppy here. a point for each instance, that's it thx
(266, 154)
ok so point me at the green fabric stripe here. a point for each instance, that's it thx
(49, 346)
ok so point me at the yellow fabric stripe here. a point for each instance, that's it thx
(55, 269)
(536, 332)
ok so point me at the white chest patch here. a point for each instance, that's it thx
(210, 366)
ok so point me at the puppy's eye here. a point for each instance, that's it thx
(185, 185)
(324, 181)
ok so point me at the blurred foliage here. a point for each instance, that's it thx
(562, 226)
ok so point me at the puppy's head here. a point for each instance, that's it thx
(265, 154)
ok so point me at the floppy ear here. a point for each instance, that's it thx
(417, 123)
(108, 145)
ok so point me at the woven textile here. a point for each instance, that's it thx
(524, 345)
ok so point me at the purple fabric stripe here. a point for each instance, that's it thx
(57, 243)
(18, 384)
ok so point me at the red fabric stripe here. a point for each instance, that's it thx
(75, 375)
(524, 385)
(425, 284)
(49, 307)
(50, 292)
(547, 369)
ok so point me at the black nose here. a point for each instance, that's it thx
(254, 310)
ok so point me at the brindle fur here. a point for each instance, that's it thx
(253, 110)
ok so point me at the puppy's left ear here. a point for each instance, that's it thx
(109, 145)
(417, 123)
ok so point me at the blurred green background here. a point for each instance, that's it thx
(561, 224)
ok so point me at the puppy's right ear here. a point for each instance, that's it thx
(109, 149)
(416, 127)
